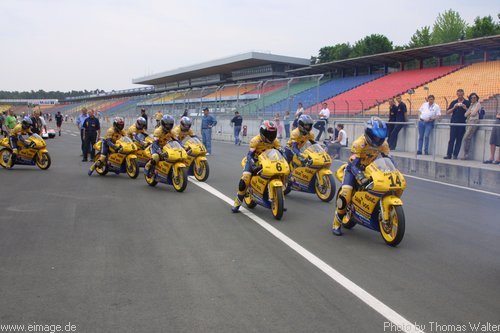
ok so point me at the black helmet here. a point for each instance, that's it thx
(305, 124)
(375, 131)
(268, 131)
(185, 124)
(26, 122)
(140, 123)
(167, 123)
(119, 123)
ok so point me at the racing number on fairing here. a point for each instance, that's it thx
(394, 182)
(278, 166)
(325, 158)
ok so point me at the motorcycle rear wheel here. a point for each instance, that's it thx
(327, 192)
(393, 232)
(249, 202)
(277, 204)
(44, 162)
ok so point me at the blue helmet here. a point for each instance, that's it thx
(375, 131)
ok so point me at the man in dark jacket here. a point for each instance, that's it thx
(236, 123)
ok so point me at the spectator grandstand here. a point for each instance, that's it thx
(482, 78)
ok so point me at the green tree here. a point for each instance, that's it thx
(336, 52)
(448, 27)
(372, 44)
(483, 26)
(421, 37)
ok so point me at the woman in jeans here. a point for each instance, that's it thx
(472, 115)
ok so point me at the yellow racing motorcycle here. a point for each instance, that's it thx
(37, 154)
(313, 177)
(170, 169)
(196, 160)
(120, 161)
(267, 182)
(378, 205)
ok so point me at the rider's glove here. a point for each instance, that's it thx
(164, 155)
(362, 180)
(31, 144)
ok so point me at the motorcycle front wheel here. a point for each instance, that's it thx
(180, 182)
(326, 192)
(5, 155)
(393, 231)
(201, 173)
(132, 169)
(43, 162)
(277, 204)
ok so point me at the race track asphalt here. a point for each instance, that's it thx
(112, 254)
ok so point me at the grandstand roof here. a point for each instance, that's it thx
(441, 50)
(220, 66)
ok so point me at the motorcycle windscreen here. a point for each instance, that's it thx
(191, 140)
(174, 145)
(315, 148)
(272, 155)
(384, 164)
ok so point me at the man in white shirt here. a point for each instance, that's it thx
(322, 123)
(429, 113)
(298, 113)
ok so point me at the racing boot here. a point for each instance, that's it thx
(149, 169)
(337, 225)
(237, 204)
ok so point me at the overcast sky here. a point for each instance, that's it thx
(90, 44)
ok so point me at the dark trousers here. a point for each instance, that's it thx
(82, 138)
(88, 146)
(393, 136)
(320, 126)
(455, 143)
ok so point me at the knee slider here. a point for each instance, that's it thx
(242, 186)
(344, 197)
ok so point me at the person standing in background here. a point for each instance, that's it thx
(322, 123)
(79, 123)
(2, 121)
(457, 108)
(494, 142)
(158, 117)
(39, 123)
(207, 123)
(286, 124)
(236, 123)
(401, 116)
(10, 120)
(59, 121)
(429, 113)
(145, 116)
(92, 130)
(472, 116)
(277, 122)
(298, 113)
(392, 114)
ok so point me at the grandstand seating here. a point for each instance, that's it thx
(268, 88)
(231, 91)
(372, 93)
(327, 89)
(276, 96)
(482, 78)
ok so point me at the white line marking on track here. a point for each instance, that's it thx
(73, 134)
(453, 185)
(398, 320)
